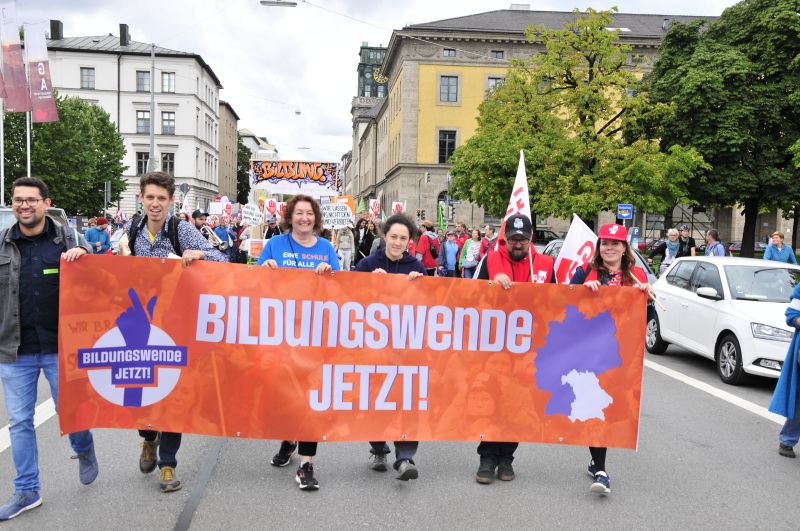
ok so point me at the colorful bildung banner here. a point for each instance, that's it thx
(234, 350)
(43, 102)
(278, 177)
(16, 85)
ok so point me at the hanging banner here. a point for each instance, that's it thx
(18, 98)
(42, 101)
(231, 350)
(316, 179)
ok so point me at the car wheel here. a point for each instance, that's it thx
(729, 361)
(653, 341)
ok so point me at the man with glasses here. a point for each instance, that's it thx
(30, 255)
(514, 261)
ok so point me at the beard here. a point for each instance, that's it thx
(518, 254)
(35, 220)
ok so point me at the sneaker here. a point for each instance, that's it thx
(406, 470)
(786, 451)
(149, 456)
(485, 473)
(285, 453)
(19, 503)
(505, 472)
(169, 480)
(305, 477)
(601, 484)
(87, 466)
(592, 470)
(378, 462)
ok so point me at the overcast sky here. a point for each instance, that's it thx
(273, 60)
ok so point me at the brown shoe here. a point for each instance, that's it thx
(149, 455)
(168, 480)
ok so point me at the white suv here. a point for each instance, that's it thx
(727, 309)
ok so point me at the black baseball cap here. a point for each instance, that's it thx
(198, 214)
(519, 225)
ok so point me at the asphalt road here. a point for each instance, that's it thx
(703, 463)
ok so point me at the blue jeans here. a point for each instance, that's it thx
(790, 433)
(20, 381)
(402, 450)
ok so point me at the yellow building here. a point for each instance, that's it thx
(438, 74)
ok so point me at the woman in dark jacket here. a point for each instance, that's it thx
(394, 259)
(365, 243)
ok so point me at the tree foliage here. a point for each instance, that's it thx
(568, 109)
(74, 156)
(242, 172)
(734, 86)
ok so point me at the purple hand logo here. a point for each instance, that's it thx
(136, 363)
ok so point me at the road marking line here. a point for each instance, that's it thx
(719, 393)
(44, 412)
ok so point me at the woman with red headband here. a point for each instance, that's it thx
(612, 264)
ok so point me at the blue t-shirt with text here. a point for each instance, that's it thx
(288, 253)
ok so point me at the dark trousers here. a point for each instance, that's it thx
(402, 450)
(495, 451)
(167, 449)
(430, 272)
(599, 457)
(308, 449)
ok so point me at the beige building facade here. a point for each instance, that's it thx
(228, 145)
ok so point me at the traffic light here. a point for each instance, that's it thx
(427, 177)
(422, 215)
(451, 212)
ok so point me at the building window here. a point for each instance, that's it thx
(143, 122)
(167, 123)
(497, 54)
(492, 82)
(448, 89)
(87, 78)
(447, 144)
(381, 91)
(167, 81)
(638, 59)
(448, 52)
(142, 158)
(168, 163)
(142, 81)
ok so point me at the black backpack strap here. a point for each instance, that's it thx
(133, 232)
(172, 234)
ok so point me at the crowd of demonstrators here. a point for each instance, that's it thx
(97, 237)
(612, 264)
(398, 232)
(300, 248)
(470, 254)
(778, 251)
(157, 233)
(34, 246)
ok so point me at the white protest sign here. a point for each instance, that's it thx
(336, 215)
(251, 215)
(215, 208)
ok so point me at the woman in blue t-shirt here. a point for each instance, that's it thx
(300, 248)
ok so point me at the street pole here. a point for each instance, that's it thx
(151, 163)
(2, 155)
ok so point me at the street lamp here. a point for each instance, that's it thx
(278, 3)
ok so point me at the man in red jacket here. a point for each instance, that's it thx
(428, 242)
(515, 260)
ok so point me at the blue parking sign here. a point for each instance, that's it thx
(624, 211)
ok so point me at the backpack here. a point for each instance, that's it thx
(432, 248)
(172, 234)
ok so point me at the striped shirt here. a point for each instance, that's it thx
(161, 247)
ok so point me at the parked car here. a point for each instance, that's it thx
(727, 309)
(736, 247)
(7, 216)
(554, 247)
(543, 237)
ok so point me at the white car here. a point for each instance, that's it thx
(727, 309)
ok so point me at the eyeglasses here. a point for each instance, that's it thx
(517, 243)
(32, 201)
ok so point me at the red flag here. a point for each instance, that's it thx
(16, 85)
(42, 101)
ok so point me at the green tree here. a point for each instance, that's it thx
(568, 108)
(735, 88)
(242, 173)
(74, 156)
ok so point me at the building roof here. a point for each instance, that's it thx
(110, 44)
(515, 21)
(230, 108)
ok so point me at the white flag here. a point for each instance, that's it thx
(520, 201)
(576, 251)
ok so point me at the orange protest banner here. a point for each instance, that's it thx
(235, 350)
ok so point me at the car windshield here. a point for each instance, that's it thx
(6, 218)
(765, 284)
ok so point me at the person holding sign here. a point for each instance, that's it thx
(398, 232)
(300, 248)
(612, 264)
(514, 260)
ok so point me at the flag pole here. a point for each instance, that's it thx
(2, 154)
(28, 139)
